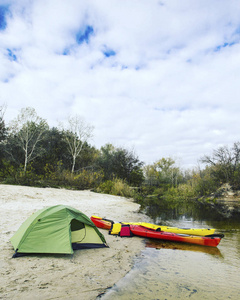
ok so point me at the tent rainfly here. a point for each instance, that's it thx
(56, 229)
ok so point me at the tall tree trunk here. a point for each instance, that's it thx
(73, 164)
(25, 163)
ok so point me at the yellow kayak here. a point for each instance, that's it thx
(190, 231)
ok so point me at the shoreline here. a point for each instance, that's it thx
(87, 273)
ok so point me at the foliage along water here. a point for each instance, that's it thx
(167, 270)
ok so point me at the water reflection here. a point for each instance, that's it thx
(169, 274)
(180, 246)
(168, 270)
(168, 210)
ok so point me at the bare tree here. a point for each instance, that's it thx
(77, 132)
(28, 129)
(224, 160)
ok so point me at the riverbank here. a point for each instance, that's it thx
(225, 201)
(87, 273)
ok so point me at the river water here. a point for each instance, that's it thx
(167, 270)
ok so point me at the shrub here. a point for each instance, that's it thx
(117, 187)
(87, 179)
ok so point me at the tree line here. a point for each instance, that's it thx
(33, 153)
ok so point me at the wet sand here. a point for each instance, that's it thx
(86, 274)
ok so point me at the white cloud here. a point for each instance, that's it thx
(169, 87)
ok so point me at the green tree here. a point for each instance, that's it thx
(55, 154)
(202, 182)
(120, 163)
(87, 159)
(150, 175)
(163, 172)
(3, 135)
(3, 129)
(105, 161)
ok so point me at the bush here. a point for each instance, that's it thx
(83, 180)
(87, 179)
(116, 187)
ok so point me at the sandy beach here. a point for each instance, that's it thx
(87, 273)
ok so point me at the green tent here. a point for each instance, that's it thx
(56, 229)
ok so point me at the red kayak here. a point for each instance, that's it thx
(212, 240)
(101, 222)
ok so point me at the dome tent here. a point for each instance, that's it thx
(56, 229)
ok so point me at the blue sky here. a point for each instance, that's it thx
(159, 77)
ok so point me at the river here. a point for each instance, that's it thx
(167, 270)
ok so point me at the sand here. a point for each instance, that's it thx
(86, 274)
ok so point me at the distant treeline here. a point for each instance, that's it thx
(32, 153)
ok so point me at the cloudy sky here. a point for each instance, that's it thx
(159, 77)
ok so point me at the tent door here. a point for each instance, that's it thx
(78, 231)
